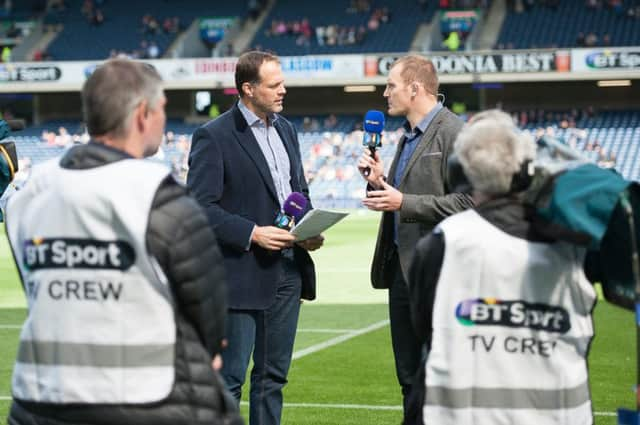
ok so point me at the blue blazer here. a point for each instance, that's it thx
(230, 178)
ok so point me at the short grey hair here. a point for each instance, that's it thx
(114, 90)
(491, 149)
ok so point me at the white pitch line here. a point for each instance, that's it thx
(339, 339)
(350, 406)
(326, 331)
(309, 330)
(336, 406)
(348, 334)
(372, 407)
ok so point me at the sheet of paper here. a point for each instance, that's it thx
(315, 222)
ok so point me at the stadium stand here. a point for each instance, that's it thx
(608, 138)
(22, 10)
(81, 39)
(570, 23)
(328, 27)
(394, 35)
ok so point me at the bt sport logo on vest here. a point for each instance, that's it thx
(74, 253)
(513, 314)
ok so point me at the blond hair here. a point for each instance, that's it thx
(416, 68)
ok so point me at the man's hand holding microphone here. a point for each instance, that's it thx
(278, 236)
(381, 196)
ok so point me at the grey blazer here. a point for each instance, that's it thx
(426, 199)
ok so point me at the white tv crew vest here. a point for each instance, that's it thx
(511, 330)
(101, 326)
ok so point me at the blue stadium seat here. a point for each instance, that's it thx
(330, 157)
(122, 28)
(542, 27)
(395, 36)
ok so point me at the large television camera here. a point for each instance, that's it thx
(8, 157)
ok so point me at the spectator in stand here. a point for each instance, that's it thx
(98, 18)
(330, 122)
(150, 24)
(6, 54)
(57, 5)
(361, 34)
(87, 9)
(385, 15)
(63, 138)
(320, 35)
(167, 25)
(351, 35)
(591, 40)
(305, 28)
(254, 9)
(592, 4)
(580, 40)
(48, 137)
(452, 42)
(169, 138)
(331, 35)
(153, 51)
(373, 23)
(616, 6)
(633, 12)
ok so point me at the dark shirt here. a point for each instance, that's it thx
(412, 136)
(411, 141)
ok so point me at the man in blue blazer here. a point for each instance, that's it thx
(243, 166)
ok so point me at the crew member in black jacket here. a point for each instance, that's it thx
(136, 328)
(499, 256)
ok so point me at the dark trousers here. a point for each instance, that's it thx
(408, 352)
(270, 334)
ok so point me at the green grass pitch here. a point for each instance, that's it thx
(346, 375)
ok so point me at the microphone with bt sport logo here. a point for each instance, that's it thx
(373, 126)
(292, 211)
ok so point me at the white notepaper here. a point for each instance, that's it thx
(315, 222)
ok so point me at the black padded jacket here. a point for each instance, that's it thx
(180, 239)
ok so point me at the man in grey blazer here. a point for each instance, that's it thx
(414, 197)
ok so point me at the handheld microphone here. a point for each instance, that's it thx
(292, 211)
(373, 126)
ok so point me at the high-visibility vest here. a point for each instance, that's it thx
(511, 330)
(100, 326)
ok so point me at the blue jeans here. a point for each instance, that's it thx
(270, 335)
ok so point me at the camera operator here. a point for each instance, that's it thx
(505, 311)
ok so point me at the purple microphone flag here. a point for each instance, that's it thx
(295, 205)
